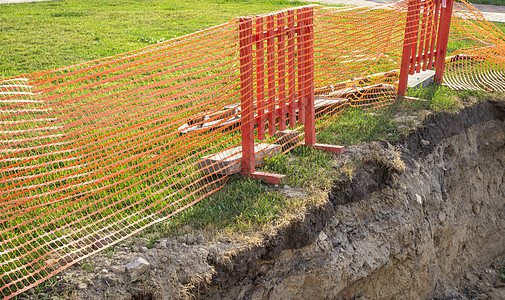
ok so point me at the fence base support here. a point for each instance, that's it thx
(421, 79)
(328, 148)
(271, 178)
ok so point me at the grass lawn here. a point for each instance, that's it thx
(493, 2)
(45, 35)
(246, 205)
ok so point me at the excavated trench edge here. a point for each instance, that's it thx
(299, 234)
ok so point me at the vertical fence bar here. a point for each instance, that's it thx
(429, 33)
(422, 37)
(407, 47)
(281, 57)
(427, 38)
(443, 39)
(310, 119)
(260, 77)
(271, 74)
(291, 68)
(300, 42)
(246, 92)
(434, 34)
(417, 6)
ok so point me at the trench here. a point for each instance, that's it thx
(422, 228)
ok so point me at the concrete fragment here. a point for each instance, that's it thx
(161, 245)
(189, 239)
(137, 267)
(420, 80)
(419, 199)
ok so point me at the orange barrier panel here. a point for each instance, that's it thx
(93, 153)
(426, 38)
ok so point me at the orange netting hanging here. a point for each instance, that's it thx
(477, 59)
(92, 153)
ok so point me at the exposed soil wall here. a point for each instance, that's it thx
(430, 225)
(425, 231)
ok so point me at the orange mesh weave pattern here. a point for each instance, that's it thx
(92, 153)
(479, 61)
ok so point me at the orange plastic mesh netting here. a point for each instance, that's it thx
(477, 60)
(90, 154)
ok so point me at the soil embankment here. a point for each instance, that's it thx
(421, 219)
(430, 229)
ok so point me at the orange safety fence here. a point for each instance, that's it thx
(477, 61)
(92, 153)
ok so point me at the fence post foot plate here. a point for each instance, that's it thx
(271, 178)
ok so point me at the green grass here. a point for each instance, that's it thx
(440, 98)
(40, 36)
(356, 125)
(469, 43)
(492, 2)
(44, 35)
(244, 205)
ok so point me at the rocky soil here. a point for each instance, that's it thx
(423, 218)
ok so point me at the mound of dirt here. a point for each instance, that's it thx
(423, 218)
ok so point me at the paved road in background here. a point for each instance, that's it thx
(493, 13)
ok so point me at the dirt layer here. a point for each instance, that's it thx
(423, 218)
(433, 228)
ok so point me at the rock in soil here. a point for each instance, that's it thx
(137, 267)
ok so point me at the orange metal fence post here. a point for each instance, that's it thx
(407, 47)
(443, 39)
(246, 91)
(281, 71)
(308, 66)
(291, 68)
(247, 102)
(260, 77)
